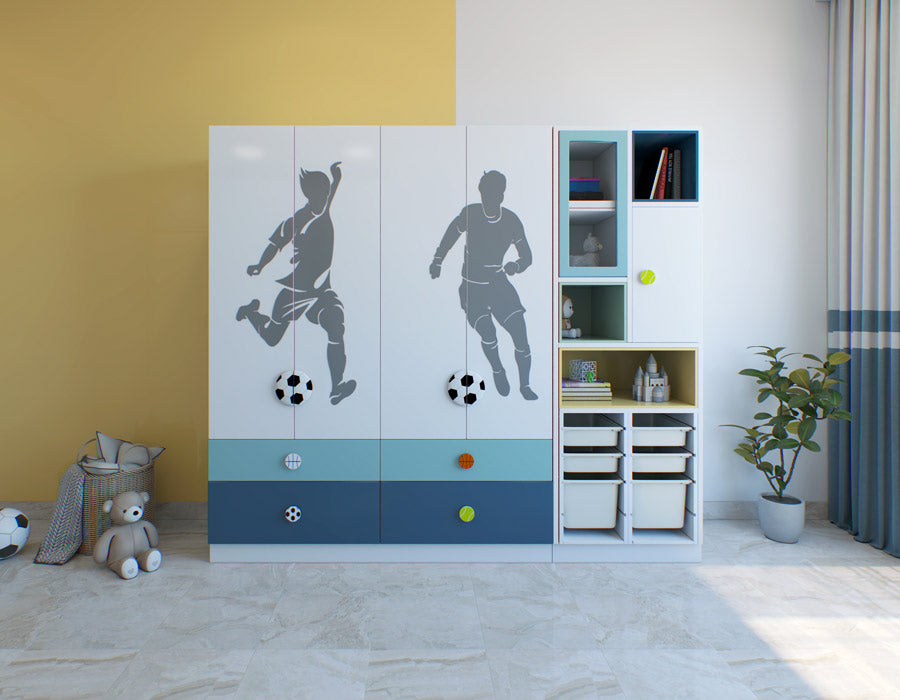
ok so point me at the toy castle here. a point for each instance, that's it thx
(650, 384)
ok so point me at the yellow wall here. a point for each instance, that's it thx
(104, 110)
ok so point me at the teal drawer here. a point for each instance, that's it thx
(438, 460)
(320, 460)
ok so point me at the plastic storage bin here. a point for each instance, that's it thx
(598, 431)
(658, 502)
(658, 430)
(591, 459)
(590, 504)
(659, 459)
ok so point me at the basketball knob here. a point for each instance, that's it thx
(292, 461)
(647, 277)
(466, 461)
(292, 514)
(467, 514)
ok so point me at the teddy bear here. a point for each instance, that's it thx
(591, 257)
(131, 542)
(568, 308)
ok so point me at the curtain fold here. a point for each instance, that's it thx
(863, 181)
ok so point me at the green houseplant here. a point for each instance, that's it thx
(805, 396)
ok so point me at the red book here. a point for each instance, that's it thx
(660, 192)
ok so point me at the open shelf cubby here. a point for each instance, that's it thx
(618, 366)
(599, 311)
(647, 148)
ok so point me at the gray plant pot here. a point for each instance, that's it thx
(781, 520)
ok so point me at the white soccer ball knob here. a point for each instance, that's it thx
(292, 514)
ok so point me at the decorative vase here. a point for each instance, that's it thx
(781, 519)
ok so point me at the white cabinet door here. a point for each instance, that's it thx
(667, 242)
(510, 280)
(250, 195)
(423, 327)
(331, 298)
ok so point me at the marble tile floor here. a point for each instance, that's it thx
(755, 619)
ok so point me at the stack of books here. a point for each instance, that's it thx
(586, 391)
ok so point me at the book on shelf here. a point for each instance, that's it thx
(588, 385)
(659, 184)
(670, 168)
(676, 174)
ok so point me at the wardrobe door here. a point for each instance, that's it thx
(332, 294)
(510, 290)
(250, 197)
(423, 326)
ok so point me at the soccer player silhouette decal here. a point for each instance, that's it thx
(486, 294)
(307, 290)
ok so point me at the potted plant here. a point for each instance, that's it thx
(805, 396)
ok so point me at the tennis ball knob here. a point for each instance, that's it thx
(647, 277)
(466, 514)
(466, 461)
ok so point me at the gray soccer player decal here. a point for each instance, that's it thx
(486, 294)
(307, 290)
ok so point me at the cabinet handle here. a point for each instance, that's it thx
(647, 277)
(292, 461)
(292, 514)
(467, 514)
(466, 461)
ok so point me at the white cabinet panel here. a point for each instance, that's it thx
(423, 328)
(509, 230)
(667, 241)
(250, 195)
(333, 292)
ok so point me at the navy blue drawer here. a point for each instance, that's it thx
(509, 512)
(249, 512)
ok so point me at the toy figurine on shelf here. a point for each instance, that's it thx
(651, 384)
(591, 256)
(568, 308)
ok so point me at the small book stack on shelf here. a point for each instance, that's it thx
(585, 189)
(586, 391)
(660, 175)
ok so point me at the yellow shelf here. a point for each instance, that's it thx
(619, 402)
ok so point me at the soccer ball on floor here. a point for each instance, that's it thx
(14, 529)
(465, 388)
(293, 387)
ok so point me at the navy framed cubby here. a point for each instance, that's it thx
(647, 146)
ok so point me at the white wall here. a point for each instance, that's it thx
(751, 74)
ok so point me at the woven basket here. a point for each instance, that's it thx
(100, 488)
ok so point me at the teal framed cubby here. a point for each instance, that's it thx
(599, 311)
(598, 159)
(647, 147)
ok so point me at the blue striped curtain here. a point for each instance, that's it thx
(864, 266)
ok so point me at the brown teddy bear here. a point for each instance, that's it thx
(131, 542)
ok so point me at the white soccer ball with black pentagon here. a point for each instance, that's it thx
(14, 529)
(465, 388)
(293, 387)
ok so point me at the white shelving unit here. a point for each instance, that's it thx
(662, 318)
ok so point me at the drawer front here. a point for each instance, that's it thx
(505, 512)
(247, 512)
(494, 460)
(320, 460)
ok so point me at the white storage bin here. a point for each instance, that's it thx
(658, 502)
(659, 459)
(658, 430)
(603, 460)
(590, 504)
(603, 433)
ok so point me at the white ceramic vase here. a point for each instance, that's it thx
(781, 520)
